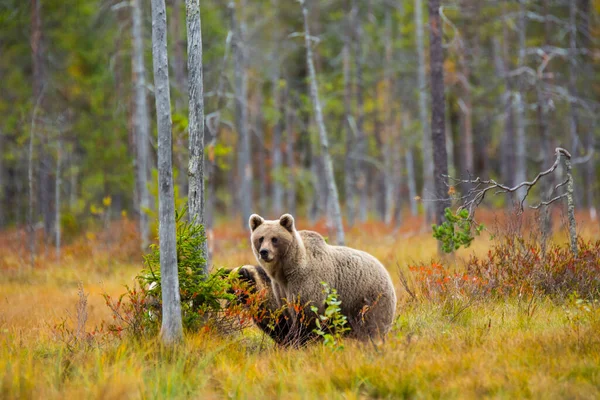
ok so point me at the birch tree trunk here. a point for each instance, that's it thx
(520, 104)
(583, 7)
(58, 185)
(141, 121)
(196, 120)
(178, 57)
(241, 115)
(289, 152)
(361, 139)
(277, 157)
(3, 184)
(350, 162)
(171, 330)
(391, 149)
(334, 212)
(279, 106)
(423, 115)
(38, 93)
(438, 107)
(257, 116)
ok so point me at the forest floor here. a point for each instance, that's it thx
(514, 347)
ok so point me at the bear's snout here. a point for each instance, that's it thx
(264, 254)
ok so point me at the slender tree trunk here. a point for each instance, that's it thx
(428, 169)
(171, 330)
(3, 183)
(196, 120)
(412, 185)
(361, 139)
(38, 90)
(583, 7)
(58, 185)
(179, 84)
(350, 162)
(277, 156)
(289, 152)
(438, 108)
(259, 154)
(391, 149)
(544, 123)
(141, 122)
(334, 211)
(520, 104)
(509, 140)
(241, 115)
(279, 107)
(179, 55)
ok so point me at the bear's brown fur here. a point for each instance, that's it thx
(275, 319)
(298, 261)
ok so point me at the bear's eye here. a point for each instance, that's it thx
(261, 240)
(274, 240)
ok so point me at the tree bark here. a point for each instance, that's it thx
(391, 150)
(196, 120)
(289, 152)
(277, 156)
(3, 183)
(588, 75)
(171, 330)
(334, 212)
(141, 122)
(520, 105)
(428, 168)
(179, 55)
(58, 185)
(259, 152)
(241, 115)
(438, 106)
(350, 162)
(361, 139)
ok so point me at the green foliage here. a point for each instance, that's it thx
(456, 231)
(201, 296)
(332, 325)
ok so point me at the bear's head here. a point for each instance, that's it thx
(272, 240)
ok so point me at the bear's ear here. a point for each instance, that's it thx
(287, 221)
(255, 221)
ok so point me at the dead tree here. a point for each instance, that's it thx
(334, 212)
(481, 187)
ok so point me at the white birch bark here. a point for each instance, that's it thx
(241, 115)
(171, 330)
(428, 190)
(519, 104)
(334, 212)
(141, 121)
(196, 119)
(58, 185)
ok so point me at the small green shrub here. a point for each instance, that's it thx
(456, 231)
(332, 325)
(202, 297)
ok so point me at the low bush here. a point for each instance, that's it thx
(517, 266)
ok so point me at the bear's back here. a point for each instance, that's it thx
(348, 270)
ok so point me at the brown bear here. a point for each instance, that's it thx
(299, 261)
(273, 316)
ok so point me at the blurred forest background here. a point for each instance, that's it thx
(520, 80)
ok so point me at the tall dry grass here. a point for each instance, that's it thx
(459, 347)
